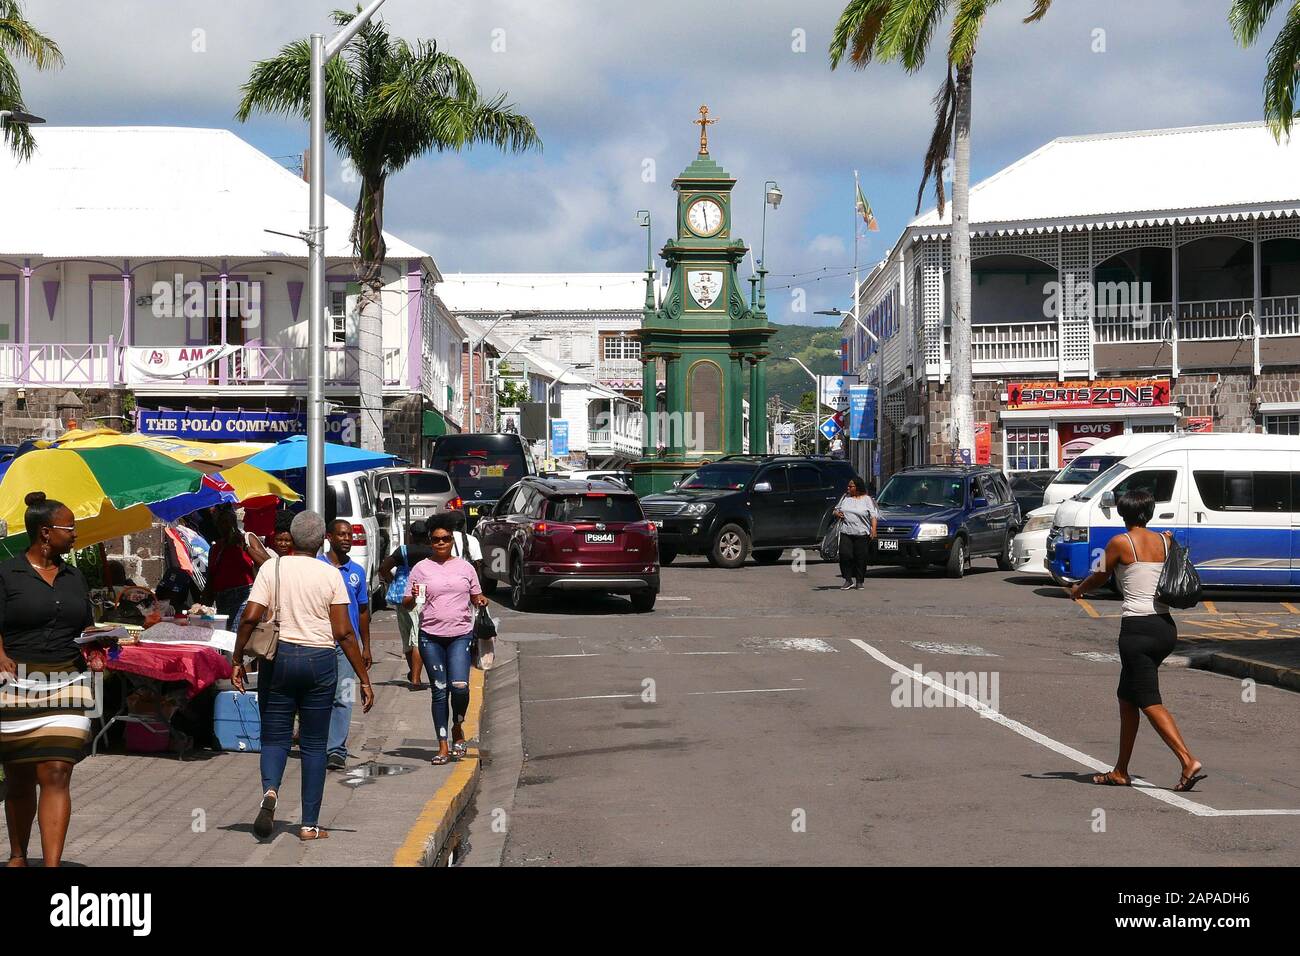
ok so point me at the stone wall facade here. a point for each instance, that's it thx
(403, 427)
(36, 412)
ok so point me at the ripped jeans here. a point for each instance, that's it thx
(447, 659)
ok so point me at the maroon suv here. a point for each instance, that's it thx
(551, 535)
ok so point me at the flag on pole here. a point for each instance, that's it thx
(864, 210)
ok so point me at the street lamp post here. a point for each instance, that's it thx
(772, 196)
(496, 398)
(817, 405)
(321, 54)
(481, 347)
(880, 378)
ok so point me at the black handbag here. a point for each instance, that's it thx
(484, 627)
(1179, 585)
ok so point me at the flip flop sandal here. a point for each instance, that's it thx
(441, 759)
(1185, 784)
(460, 748)
(312, 833)
(1106, 780)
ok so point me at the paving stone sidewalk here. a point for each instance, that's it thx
(147, 810)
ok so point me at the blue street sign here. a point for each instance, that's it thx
(830, 428)
(559, 438)
(862, 412)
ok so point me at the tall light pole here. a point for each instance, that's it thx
(481, 347)
(496, 411)
(880, 381)
(772, 196)
(321, 54)
(817, 405)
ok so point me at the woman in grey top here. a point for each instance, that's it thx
(857, 514)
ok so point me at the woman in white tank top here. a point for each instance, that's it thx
(1147, 634)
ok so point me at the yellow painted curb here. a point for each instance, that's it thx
(432, 827)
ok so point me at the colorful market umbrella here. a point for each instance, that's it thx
(242, 484)
(207, 456)
(291, 455)
(107, 489)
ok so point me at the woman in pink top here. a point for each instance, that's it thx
(450, 589)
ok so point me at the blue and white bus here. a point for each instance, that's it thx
(1232, 500)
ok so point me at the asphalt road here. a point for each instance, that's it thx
(762, 716)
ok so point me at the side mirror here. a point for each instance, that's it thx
(1107, 499)
(980, 503)
(763, 486)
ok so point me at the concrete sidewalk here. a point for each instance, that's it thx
(140, 809)
(1274, 661)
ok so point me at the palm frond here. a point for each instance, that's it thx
(1282, 75)
(1039, 11)
(945, 118)
(858, 26)
(18, 38)
(966, 29)
(907, 29)
(1247, 18)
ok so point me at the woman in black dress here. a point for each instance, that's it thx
(45, 690)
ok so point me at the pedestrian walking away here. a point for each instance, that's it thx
(396, 568)
(450, 589)
(857, 514)
(46, 696)
(1147, 634)
(345, 693)
(310, 604)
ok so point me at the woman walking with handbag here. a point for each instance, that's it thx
(856, 512)
(1147, 634)
(45, 691)
(450, 589)
(301, 605)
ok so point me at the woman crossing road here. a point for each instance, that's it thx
(857, 513)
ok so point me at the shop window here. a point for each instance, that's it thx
(1159, 483)
(1267, 491)
(1029, 448)
(1282, 424)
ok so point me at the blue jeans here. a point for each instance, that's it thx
(301, 681)
(447, 659)
(345, 694)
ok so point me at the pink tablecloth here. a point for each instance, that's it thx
(197, 666)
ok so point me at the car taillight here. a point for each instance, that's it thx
(455, 504)
(359, 535)
(645, 527)
(547, 528)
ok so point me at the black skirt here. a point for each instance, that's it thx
(1144, 642)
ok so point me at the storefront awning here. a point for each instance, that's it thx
(435, 426)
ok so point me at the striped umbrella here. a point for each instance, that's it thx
(108, 490)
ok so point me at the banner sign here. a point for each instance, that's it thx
(1101, 395)
(1075, 438)
(862, 413)
(559, 438)
(145, 365)
(983, 443)
(249, 426)
(1200, 424)
(784, 434)
(835, 390)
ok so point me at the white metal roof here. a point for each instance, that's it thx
(156, 191)
(543, 291)
(1190, 174)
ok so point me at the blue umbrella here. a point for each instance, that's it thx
(291, 455)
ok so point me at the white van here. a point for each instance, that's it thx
(1084, 469)
(1233, 500)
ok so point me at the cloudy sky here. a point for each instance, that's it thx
(611, 86)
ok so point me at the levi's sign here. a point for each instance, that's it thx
(1119, 393)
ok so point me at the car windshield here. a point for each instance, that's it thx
(594, 507)
(937, 491)
(1100, 482)
(1085, 468)
(719, 478)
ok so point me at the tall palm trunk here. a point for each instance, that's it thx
(369, 230)
(963, 411)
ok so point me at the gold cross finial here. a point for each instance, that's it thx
(704, 123)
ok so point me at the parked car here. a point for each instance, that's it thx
(744, 503)
(549, 535)
(482, 467)
(1233, 500)
(1029, 488)
(1029, 548)
(349, 496)
(403, 495)
(945, 515)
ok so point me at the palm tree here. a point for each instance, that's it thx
(1248, 18)
(386, 104)
(900, 30)
(20, 40)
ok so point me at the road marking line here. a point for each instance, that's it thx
(1092, 611)
(664, 598)
(756, 690)
(556, 700)
(1209, 606)
(701, 653)
(552, 656)
(1291, 607)
(1078, 756)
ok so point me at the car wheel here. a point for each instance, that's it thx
(520, 599)
(957, 559)
(644, 601)
(667, 555)
(730, 547)
(1004, 558)
(768, 556)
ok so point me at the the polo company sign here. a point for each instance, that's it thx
(1100, 395)
(242, 425)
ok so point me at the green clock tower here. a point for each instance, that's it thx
(711, 340)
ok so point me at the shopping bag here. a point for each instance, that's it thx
(1179, 585)
(830, 546)
(485, 645)
(397, 590)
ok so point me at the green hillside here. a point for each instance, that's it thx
(816, 347)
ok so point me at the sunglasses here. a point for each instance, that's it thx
(62, 527)
(441, 540)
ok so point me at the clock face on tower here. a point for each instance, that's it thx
(704, 216)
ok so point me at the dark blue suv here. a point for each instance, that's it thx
(944, 515)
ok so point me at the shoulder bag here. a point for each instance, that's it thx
(396, 592)
(1179, 585)
(265, 639)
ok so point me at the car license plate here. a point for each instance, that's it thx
(472, 510)
(418, 512)
(607, 538)
(658, 524)
(888, 545)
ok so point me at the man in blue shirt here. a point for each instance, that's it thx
(354, 579)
